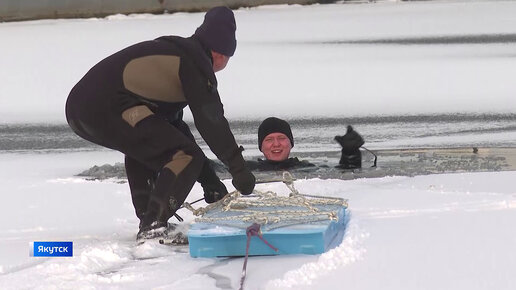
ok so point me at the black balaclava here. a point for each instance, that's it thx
(217, 32)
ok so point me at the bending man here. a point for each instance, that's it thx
(133, 100)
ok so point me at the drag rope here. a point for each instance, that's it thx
(252, 230)
(268, 209)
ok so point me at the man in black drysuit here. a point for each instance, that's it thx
(133, 100)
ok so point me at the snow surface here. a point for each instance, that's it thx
(451, 231)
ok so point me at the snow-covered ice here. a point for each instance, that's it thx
(296, 60)
(450, 231)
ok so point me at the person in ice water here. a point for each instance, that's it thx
(275, 140)
(133, 100)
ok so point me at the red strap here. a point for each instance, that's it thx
(252, 230)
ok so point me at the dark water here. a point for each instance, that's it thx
(311, 135)
(314, 142)
(31, 137)
(505, 38)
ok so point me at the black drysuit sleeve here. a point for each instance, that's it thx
(207, 110)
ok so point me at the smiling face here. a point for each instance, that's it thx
(276, 147)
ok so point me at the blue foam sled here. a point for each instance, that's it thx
(211, 240)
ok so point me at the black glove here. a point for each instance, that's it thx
(243, 179)
(350, 142)
(214, 192)
(214, 189)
